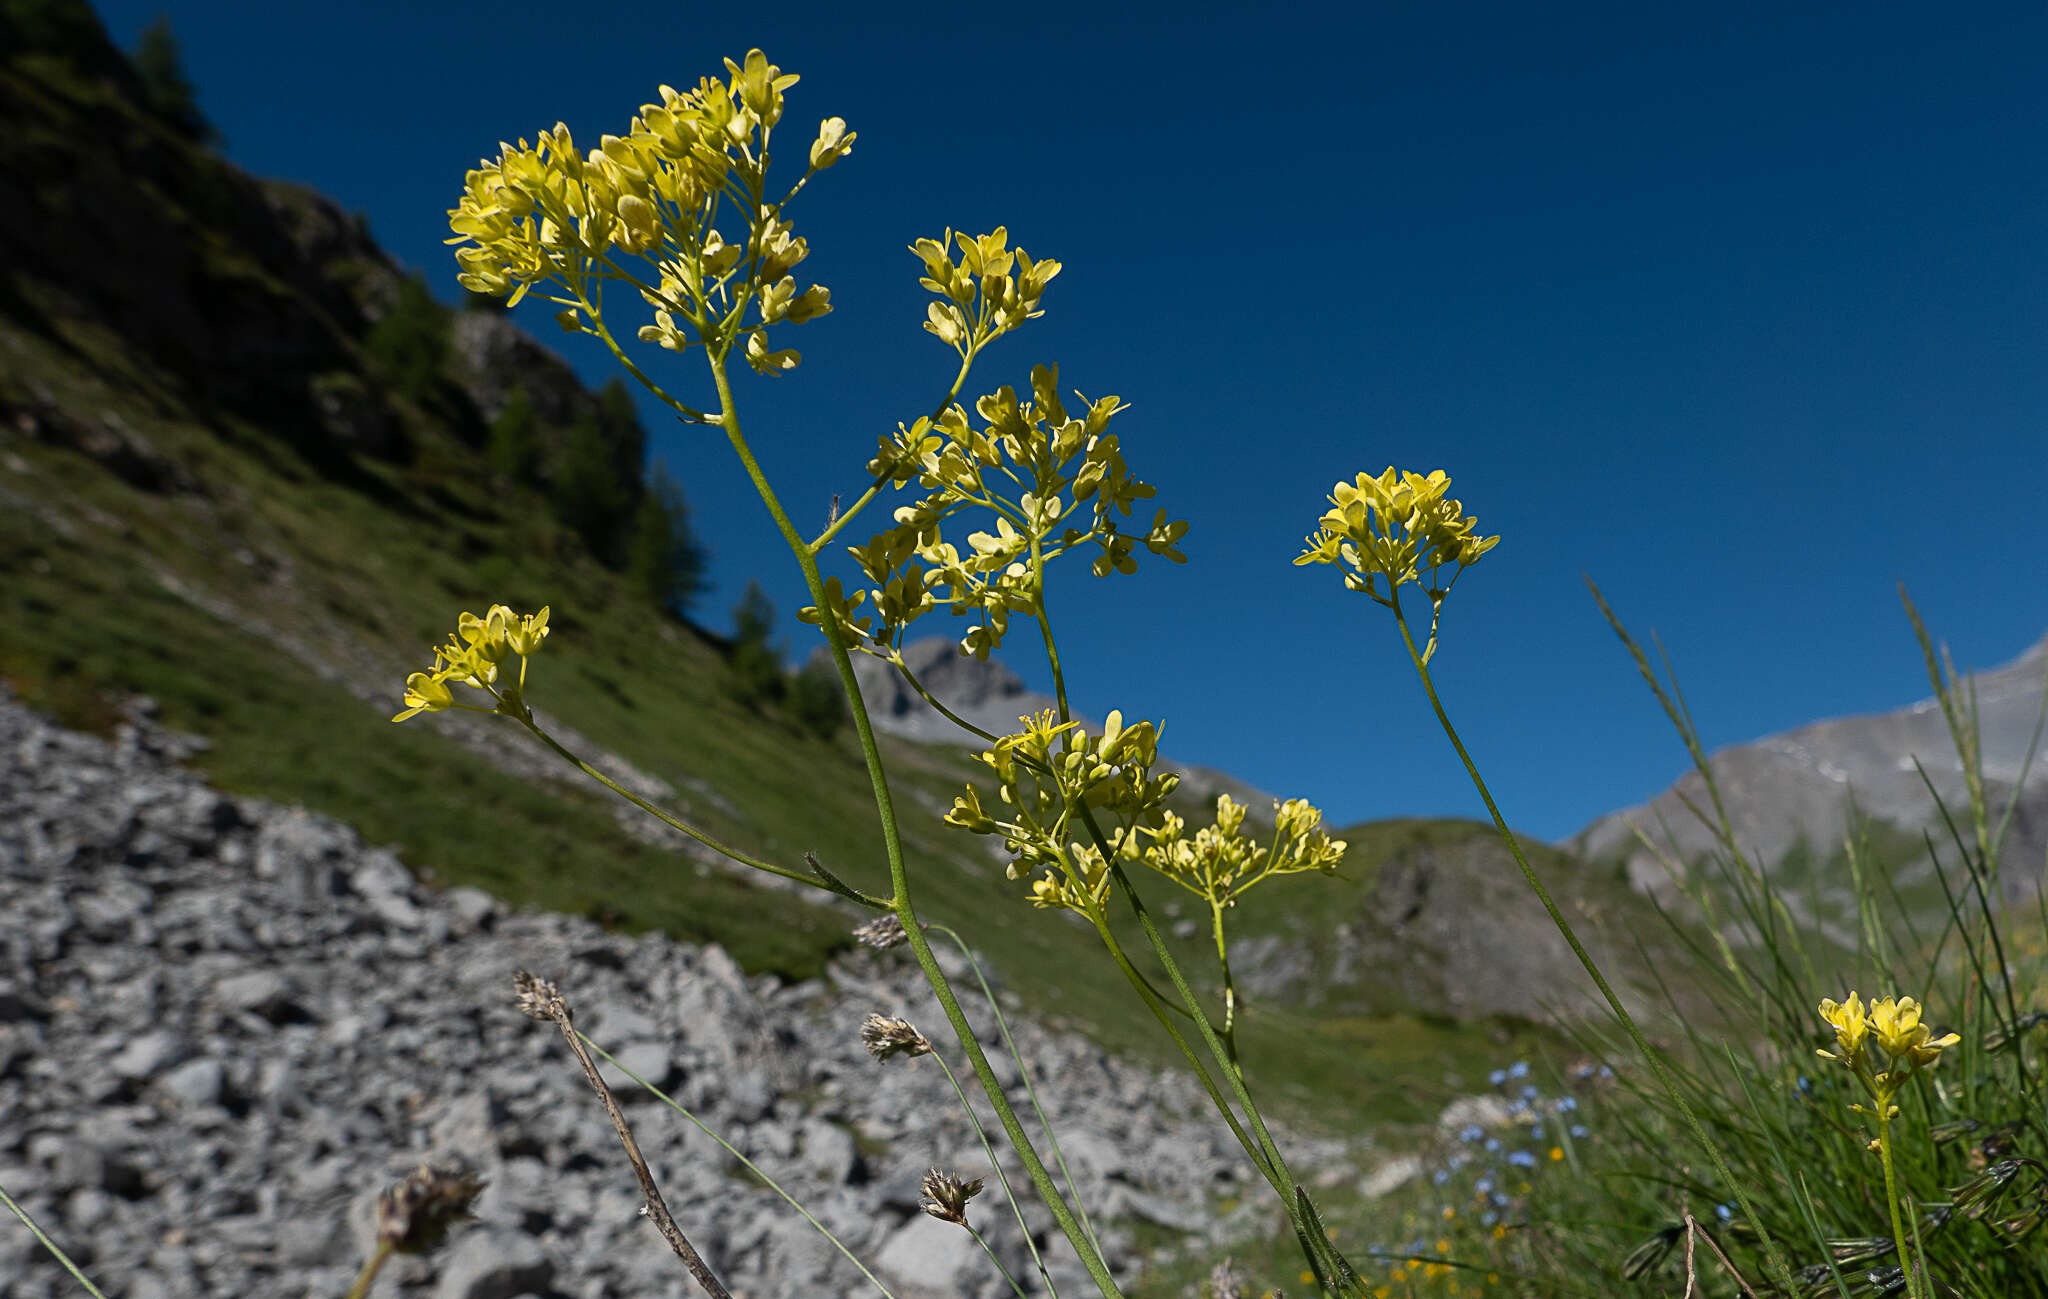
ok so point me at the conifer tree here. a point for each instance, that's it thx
(514, 448)
(589, 495)
(171, 96)
(665, 560)
(410, 343)
(756, 677)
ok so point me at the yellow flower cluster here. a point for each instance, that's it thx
(550, 212)
(1219, 862)
(1053, 481)
(1893, 1026)
(1400, 527)
(1884, 1044)
(1041, 785)
(988, 292)
(471, 658)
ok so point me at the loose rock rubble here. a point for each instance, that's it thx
(226, 1025)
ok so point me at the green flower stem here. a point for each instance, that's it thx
(1009, 1193)
(745, 1162)
(1159, 1005)
(1229, 985)
(1891, 1194)
(1024, 1075)
(952, 395)
(368, 1276)
(1015, 1289)
(1337, 1274)
(866, 900)
(1670, 1085)
(1044, 620)
(689, 414)
(903, 670)
(50, 1245)
(892, 843)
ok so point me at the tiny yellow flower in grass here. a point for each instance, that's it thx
(1851, 1025)
(1894, 1025)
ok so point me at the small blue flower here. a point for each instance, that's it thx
(1493, 1144)
(1488, 1218)
(1497, 1077)
(1724, 1211)
(1519, 1069)
(1606, 1071)
(1471, 1132)
(1483, 1186)
(1579, 1131)
(1522, 1159)
(1441, 1176)
(1536, 1132)
(1566, 1104)
(1531, 1092)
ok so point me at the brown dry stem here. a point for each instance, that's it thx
(541, 1000)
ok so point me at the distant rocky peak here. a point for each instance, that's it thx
(1798, 787)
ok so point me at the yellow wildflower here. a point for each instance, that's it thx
(425, 692)
(531, 630)
(1851, 1025)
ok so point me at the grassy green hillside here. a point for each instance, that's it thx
(214, 493)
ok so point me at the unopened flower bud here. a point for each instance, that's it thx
(885, 1036)
(946, 1196)
(416, 1215)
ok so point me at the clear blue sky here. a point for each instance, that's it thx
(1742, 312)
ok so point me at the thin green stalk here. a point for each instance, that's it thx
(1156, 1002)
(1891, 1196)
(1009, 1193)
(952, 395)
(1340, 1276)
(1963, 732)
(50, 1245)
(1564, 927)
(892, 843)
(1024, 1075)
(1015, 1289)
(1229, 985)
(745, 1162)
(852, 894)
(1317, 1247)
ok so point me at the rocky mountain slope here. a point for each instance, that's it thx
(1795, 790)
(225, 1025)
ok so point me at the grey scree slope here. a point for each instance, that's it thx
(225, 1025)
